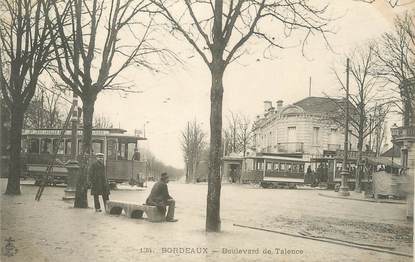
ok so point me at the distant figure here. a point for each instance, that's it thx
(136, 155)
(309, 170)
(99, 182)
(160, 197)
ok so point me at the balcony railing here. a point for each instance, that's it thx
(291, 147)
(400, 132)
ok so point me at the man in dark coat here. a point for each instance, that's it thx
(99, 182)
(136, 155)
(160, 197)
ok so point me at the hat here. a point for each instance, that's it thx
(164, 174)
(99, 155)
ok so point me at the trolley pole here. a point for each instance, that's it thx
(73, 166)
(344, 189)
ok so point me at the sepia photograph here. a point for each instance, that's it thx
(207, 130)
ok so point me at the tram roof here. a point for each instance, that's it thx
(96, 132)
(292, 159)
(266, 157)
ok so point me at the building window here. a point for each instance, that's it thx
(276, 137)
(316, 131)
(291, 134)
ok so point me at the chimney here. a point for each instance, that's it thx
(267, 106)
(279, 105)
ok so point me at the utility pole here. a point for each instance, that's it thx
(344, 189)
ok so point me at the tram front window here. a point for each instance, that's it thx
(121, 152)
(130, 150)
(46, 146)
(97, 146)
(111, 149)
(60, 146)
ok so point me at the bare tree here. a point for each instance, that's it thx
(102, 121)
(396, 55)
(218, 31)
(231, 134)
(155, 167)
(91, 56)
(25, 49)
(245, 133)
(237, 134)
(44, 110)
(363, 98)
(193, 143)
(186, 146)
(379, 133)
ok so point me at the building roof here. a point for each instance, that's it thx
(314, 104)
(394, 151)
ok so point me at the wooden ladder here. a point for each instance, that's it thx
(51, 163)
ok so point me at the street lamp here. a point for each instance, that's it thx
(344, 189)
(73, 166)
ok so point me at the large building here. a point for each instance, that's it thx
(303, 129)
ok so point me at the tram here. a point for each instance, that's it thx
(114, 143)
(267, 170)
(327, 168)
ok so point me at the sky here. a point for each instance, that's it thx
(180, 93)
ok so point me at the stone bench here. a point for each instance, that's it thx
(134, 210)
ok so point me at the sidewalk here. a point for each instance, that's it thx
(360, 197)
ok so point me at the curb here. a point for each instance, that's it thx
(364, 200)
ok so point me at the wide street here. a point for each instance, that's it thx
(52, 230)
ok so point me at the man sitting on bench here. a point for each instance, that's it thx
(160, 197)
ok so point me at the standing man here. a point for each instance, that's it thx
(99, 182)
(160, 197)
(136, 155)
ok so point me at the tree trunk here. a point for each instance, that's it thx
(187, 172)
(88, 105)
(358, 183)
(194, 170)
(407, 99)
(81, 195)
(213, 222)
(13, 182)
(190, 169)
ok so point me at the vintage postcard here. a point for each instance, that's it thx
(207, 130)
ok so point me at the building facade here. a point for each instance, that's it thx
(303, 129)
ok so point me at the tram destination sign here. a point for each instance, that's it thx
(57, 132)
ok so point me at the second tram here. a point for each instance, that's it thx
(269, 171)
(114, 143)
